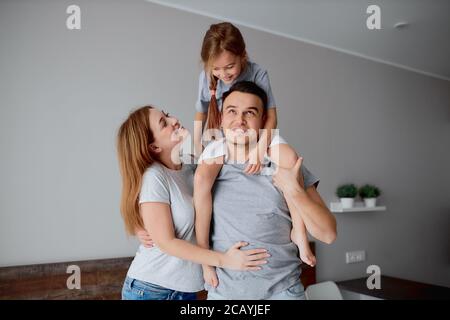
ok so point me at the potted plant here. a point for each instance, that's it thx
(347, 194)
(369, 194)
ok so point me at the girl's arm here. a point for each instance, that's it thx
(283, 155)
(308, 203)
(204, 179)
(263, 142)
(199, 122)
(200, 116)
(271, 123)
(158, 222)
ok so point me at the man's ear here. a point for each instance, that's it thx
(154, 148)
(264, 119)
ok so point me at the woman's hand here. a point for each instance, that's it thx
(289, 180)
(210, 275)
(247, 260)
(144, 238)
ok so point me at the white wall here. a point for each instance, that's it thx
(64, 93)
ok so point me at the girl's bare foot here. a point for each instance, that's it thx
(301, 240)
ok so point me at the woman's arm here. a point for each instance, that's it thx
(307, 203)
(158, 222)
(204, 179)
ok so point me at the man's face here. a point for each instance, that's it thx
(242, 117)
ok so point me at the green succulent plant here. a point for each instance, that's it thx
(369, 191)
(347, 191)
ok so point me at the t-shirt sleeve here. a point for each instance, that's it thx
(277, 139)
(308, 178)
(155, 187)
(203, 94)
(262, 80)
(214, 149)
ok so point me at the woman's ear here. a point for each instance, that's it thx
(154, 148)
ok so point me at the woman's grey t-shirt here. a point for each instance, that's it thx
(250, 208)
(253, 72)
(174, 187)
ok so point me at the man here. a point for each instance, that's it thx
(251, 208)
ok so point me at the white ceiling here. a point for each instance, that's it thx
(422, 47)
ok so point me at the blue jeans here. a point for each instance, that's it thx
(139, 290)
(295, 292)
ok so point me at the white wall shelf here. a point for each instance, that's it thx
(357, 207)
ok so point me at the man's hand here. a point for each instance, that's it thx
(289, 180)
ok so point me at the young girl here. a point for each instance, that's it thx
(157, 195)
(226, 62)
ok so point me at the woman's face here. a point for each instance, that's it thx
(226, 66)
(167, 131)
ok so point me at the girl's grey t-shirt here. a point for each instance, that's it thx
(253, 72)
(174, 187)
(250, 208)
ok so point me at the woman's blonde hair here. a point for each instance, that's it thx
(220, 37)
(133, 140)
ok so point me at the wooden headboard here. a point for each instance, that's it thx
(100, 280)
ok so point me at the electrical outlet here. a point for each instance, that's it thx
(355, 256)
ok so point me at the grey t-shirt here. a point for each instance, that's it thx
(253, 72)
(174, 187)
(250, 208)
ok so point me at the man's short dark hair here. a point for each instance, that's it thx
(248, 87)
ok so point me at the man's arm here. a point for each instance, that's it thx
(308, 203)
(317, 218)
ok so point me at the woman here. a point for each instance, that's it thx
(157, 194)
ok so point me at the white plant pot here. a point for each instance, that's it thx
(370, 202)
(347, 203)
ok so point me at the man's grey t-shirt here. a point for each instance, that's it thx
(250, 208)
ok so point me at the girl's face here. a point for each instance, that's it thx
(167, 131)
(226, 66)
